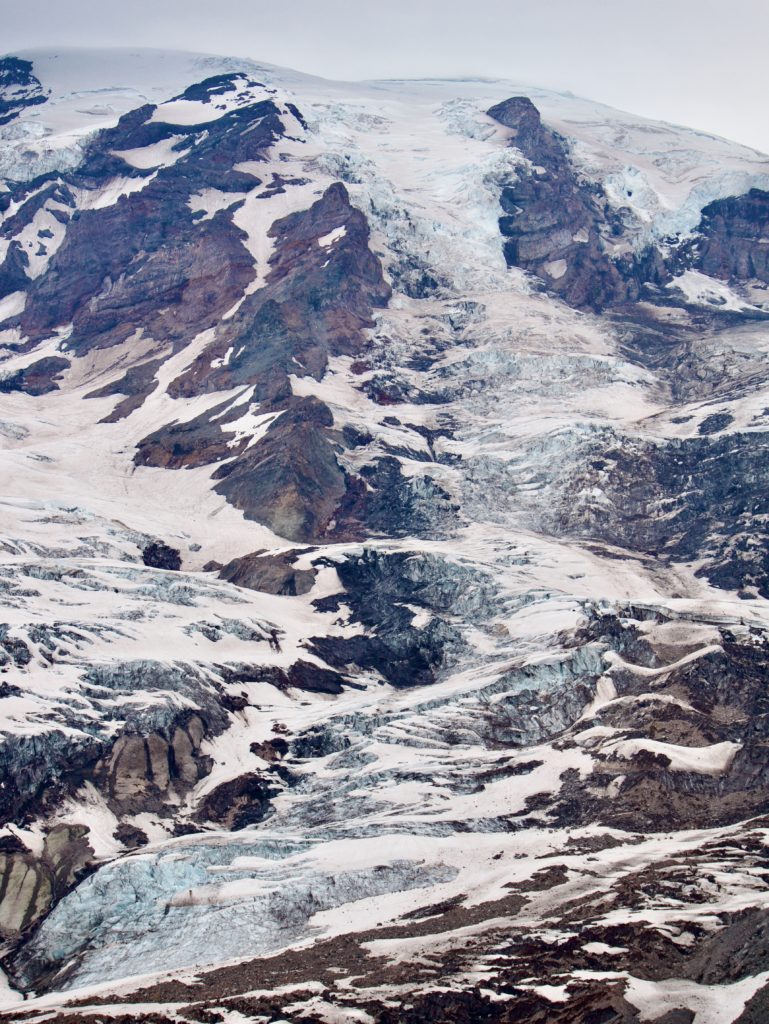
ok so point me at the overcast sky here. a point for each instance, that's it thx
(702, 63)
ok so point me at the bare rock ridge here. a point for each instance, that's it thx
(146, 262)
(18, 88)
(385, 597)
(561, 227)
(555, 225)
(321, 287)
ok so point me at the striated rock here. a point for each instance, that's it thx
(317, 302)
(30, 885)
(322, 285)
(147, 772)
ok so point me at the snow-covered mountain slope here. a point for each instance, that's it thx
(384, 551)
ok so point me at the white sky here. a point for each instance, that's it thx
(704, 63)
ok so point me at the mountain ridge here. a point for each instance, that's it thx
(384, 564)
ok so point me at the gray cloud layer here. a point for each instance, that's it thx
(696, 62)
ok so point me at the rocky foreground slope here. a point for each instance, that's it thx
(384, 569)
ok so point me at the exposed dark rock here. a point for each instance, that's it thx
(302, 675)
(316, 303)
(725, 690)
(378, 589)
(130, 836)
(158, 555)
(271, 750)
(756, 1009)
(13, 270)
(272, 574)
(732, 233)
(560, 227)
(217, 85)
(39, 378)
(240, 802)
(41, 195)
(554, 223)
(715, 423)
(19, 88)
(136, 383)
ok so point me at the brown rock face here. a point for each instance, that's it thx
(38, 378)
(317, 301)
(290, 481)
(144, 772)
(30, 885)
(553, 223)
(560, 227)
(272, 574)
(142, 263)
(146, 261)
(733, 238)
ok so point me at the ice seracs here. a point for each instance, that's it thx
(451, 397)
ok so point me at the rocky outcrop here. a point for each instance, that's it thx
(732, 241)
(272, 574)
(141, 263)
(39, 378)
(13, 270)
(689, 704)
(555, 225)
(560, 227)
(158, 555)
(151, 772)
(136, 384)
(238, 803)
(290, 480)
(30, 885)
(146, 262)
(452, 688)
(19, 88)
(323, 283)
